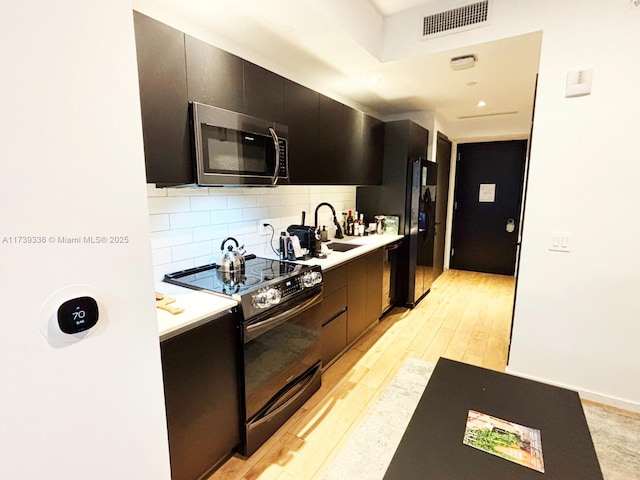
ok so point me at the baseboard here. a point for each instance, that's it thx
(585, 394)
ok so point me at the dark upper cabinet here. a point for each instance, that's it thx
(372, 150)
(263, 93)
(163, 100)
(352, 145)
(329, 142)
(214, 77)
(332, 146)
(301, 115)
(418, 140)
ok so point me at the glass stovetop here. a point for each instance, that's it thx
(258, 272)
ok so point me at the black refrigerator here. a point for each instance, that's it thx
(408, 190)
(420, 228)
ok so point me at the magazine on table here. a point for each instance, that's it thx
(505, 439)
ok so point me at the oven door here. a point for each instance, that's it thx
(282, 367)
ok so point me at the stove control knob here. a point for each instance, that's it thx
(260, 300)
(311, 278)
(273, 296)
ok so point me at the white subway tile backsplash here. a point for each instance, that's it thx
(244, 228)
(189, 224)
(270, 200)
(210, 232)
(254, 213)
(153, 191)
(280, 211)
(161, 256)
(168, 205)
(242, 201)
(189, 220)
(224, 217)
(191, 250)
(209, 202)
(170, 238)
(158, 223)
(187, 192)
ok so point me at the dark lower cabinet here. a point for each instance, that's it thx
(352, 302)
(375, 278)
(201, 397)
(164, 102)
(333, 313)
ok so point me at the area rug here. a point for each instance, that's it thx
(368, 452)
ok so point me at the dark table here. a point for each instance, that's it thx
(432, 446)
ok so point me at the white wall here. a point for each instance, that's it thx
(188, 225)
(71, 163)
(576, 319)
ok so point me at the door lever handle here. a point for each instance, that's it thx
(511, 225)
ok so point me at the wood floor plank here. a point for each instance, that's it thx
(466, 317)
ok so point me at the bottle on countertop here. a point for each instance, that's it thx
(324, 235)
(349, 224)
(361, 225)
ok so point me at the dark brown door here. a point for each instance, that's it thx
(489, 181)
(443, 160)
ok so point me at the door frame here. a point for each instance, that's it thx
(452, 194)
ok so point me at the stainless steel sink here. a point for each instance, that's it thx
(342, 247)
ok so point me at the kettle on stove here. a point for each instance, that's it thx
(233, 259)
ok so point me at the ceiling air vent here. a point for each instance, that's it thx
(462, 18)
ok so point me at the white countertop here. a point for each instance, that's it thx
(369, 243)
(199, 307)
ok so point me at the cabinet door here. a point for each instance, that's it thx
(331, 150)
(418, 140)
(372, 150)
(163, 100)
(375, 274)
(352, 161)
(214, 77)
(201, 397)
(263, 93)
(301, 108)
(333, 339)
(357, 299)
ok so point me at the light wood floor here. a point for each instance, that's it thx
(466, 317)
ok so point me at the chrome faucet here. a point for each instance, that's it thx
(335, 219)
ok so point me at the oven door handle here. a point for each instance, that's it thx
(254, 330)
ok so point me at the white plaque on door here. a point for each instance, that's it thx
(487, 192)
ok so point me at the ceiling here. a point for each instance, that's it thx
(317, 44)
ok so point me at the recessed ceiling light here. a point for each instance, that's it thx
(471, 84)
(374, 79)
(482, 103)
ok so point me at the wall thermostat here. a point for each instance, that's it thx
(71, 314)
(77, 315)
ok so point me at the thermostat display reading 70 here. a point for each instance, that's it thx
(77, 315)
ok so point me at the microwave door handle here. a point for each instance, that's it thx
(276, 144)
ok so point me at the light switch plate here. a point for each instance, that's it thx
(579, 83)
(560, 242)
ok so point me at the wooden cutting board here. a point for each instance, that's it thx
(163, 301)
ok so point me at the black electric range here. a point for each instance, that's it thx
(262, 285)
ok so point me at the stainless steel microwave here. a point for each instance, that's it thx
(235, 149)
